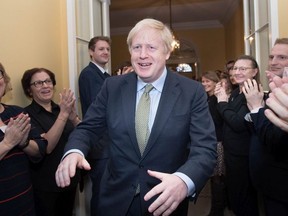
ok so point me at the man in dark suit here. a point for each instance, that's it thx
(90, 82)
(180, 153)
(269, 149)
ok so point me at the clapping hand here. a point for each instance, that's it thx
(17, 130)
(67, 104)
(254, 94)
(278, 103)
(220, 92)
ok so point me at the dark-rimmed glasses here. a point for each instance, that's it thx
(40, 83)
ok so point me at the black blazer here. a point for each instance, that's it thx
(90, 82)
(269, 158)
(182, 138)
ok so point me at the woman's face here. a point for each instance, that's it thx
(209, 85)
(243, 70)
(43, 91)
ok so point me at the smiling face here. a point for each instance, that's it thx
(243, 70)
(278, 59)
(42, 94)
(148, 54)
(101, 54)
(209, 85)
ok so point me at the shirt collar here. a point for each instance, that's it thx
(158, 84)
(38, 108)
(100, 68)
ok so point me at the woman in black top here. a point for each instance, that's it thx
(242, 196)
(55, 122)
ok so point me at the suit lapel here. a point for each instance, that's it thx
(97, 70)
(128, 94)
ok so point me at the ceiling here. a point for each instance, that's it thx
(186, 14)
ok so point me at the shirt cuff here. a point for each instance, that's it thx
(189, 183)
(72, 151)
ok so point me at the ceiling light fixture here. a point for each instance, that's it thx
(176, 42)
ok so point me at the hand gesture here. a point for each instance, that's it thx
(17, 130)
(67, 168)
(220, 92)
(172, 190)
(253, 93)
(67, 103)
(278, 103)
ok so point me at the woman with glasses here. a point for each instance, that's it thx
(242, 197)
(19, 143)
(55, 122)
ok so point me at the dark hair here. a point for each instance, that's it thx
(94, 40)
(230, 86)
(6, 79)
(27, 76)
(229, 62)
(254, 65)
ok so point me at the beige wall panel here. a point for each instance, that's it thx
(33, 34)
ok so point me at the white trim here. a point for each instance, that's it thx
(72, 57)
(273, 16)
(105, 17)
(246, 26)
(257, 33)
(91, 18)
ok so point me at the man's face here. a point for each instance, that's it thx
(101, 54)
(278, 59)
(148, 55)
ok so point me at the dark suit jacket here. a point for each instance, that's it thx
(182, 138)
(90, 82)
(269, 158)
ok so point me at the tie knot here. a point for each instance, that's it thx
(148, 88)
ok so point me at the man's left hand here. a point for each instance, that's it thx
(172, 190)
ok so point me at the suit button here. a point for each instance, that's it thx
(141, 166)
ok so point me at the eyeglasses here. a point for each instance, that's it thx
(40, 83)
(1, 74)
(241, 69)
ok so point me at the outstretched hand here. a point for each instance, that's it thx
(67, 168)
(172, 190)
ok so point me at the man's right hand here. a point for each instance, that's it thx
(67, 168)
